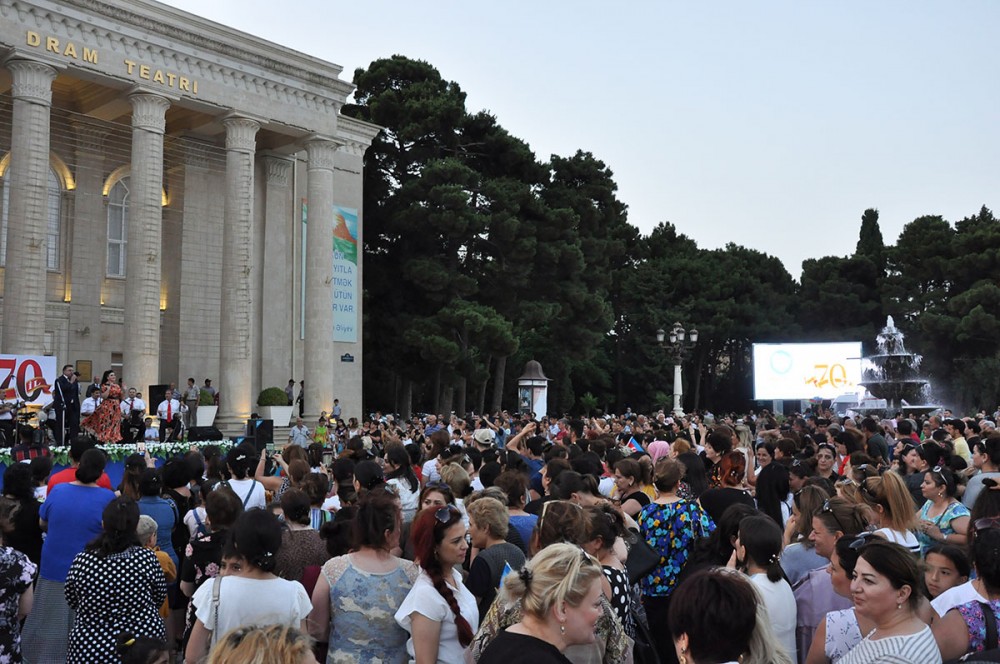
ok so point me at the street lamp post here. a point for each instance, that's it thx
(678, 349)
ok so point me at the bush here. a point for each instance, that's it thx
(205, 398)
(272, 396)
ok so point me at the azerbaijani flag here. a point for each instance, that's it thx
(634, 445)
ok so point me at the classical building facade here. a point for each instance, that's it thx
(179, 199)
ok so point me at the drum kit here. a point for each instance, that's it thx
(23, 414)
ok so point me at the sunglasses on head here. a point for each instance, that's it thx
(828, 509)
(861, 540)
(445, 512)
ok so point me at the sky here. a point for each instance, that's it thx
(772, 125)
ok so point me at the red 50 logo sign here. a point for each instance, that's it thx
(27, 378)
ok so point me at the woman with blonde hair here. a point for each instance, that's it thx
(891, 506)
(273, 644)
(561, 522)
(460, 483)
(559, 591)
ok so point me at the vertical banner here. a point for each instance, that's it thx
(27, 378)
(346, 291)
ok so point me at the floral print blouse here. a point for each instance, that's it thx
(672, 530)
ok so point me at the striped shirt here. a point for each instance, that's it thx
(917, 648)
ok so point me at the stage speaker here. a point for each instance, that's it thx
(262, 430)
(247, 441)
(154, 397)
(201, 434)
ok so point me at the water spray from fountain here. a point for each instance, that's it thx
(893, 374)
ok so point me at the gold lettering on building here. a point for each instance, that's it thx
(167, 79)
(67, 49)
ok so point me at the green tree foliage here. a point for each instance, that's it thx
(479, 256)
(870, 243)
(839, 299)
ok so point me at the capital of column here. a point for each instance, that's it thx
(31, 81)
(322, 153)
(89, 137)
(149, 111)
(278, 169)
(241, 134)
(355, 148)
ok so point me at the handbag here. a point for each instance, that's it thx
(991, 645)
(642, 558)
(216, 587)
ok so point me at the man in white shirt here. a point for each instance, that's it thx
(90, 404)
(299, 434)
(170, 412)
(133, 412)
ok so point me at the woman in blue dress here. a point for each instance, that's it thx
(357, 595)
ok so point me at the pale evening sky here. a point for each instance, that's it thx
(768, 124)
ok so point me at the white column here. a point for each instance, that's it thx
(678, 391)
(280, 268)
(25, 274)
(145, 223)
(318, 346)
(235, 345)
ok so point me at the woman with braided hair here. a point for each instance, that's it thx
(439, 612)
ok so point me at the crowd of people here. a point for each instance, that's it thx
(510, 538)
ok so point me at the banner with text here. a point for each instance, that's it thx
(28, 378)
(806, 371)
(346, 291)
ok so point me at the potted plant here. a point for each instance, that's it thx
(207, 409)
(273, 405)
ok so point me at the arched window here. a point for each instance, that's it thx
(118, 227)
(53, 222)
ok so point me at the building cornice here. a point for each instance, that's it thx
(201, 33)
(136, 39)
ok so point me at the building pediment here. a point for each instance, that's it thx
(205, 65)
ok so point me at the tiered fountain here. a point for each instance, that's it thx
(893, 374)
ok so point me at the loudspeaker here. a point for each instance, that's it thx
(248, 441)
(201, 434)
(154, 397)
(263, 431)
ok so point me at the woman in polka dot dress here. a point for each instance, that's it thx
(114, 585)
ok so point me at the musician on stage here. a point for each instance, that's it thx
(133, 412)
(7, 411)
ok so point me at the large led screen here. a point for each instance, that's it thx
(806, 371)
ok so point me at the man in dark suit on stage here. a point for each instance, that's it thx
(66, 401)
